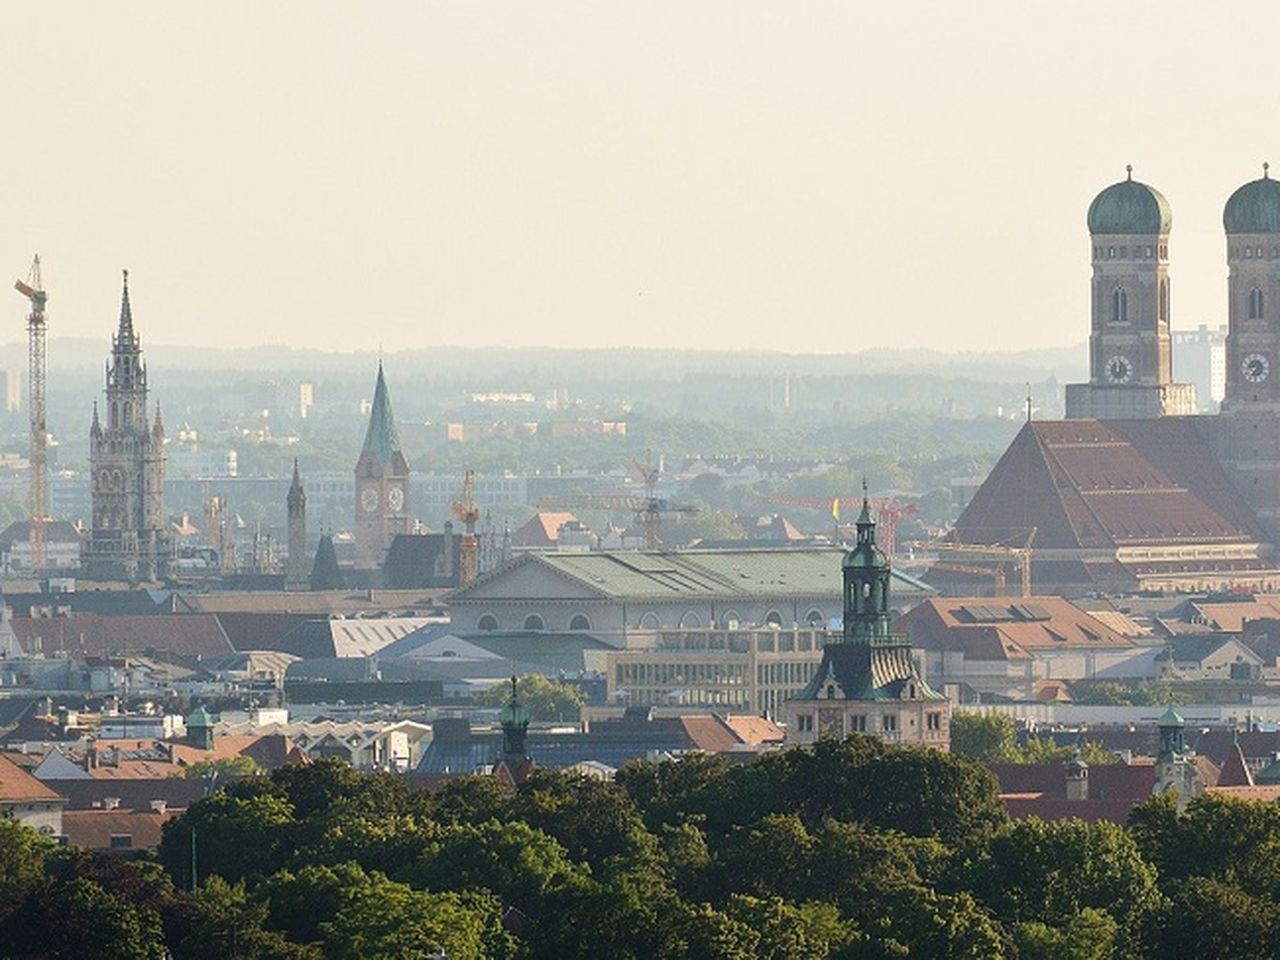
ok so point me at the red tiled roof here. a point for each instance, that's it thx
(755, 730)
(710, 733)
(18, 786)
(1086, 483)
(989, 629)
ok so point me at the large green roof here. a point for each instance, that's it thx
(1254, 208)
(1130, 207)
(381, 438)
(659, 575)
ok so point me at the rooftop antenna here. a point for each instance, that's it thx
(1028, 403)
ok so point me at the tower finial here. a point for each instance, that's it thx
(1266, 167)
(1128, 171)
(1028, 403)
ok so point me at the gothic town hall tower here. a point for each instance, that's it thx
(129, 540)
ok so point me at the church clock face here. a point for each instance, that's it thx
(369, 499)
(1119, 369)
(395, 499)
(1255, 368)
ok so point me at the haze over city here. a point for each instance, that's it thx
(816, 178)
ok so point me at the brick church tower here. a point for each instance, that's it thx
(382, 484)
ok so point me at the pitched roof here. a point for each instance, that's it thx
(869, 671)
(99, 829)
(56, 531)
(811, 573)
(541, 530)
(18, 786)
(1230, 616)
(340, 638)
(381, 439)
(755, 730)
(88, 634)
(1088, 483)
(138, 794)
(994, 629)
(1235, 772)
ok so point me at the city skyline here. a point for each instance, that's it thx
(561, 177)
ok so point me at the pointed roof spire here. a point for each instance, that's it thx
(297, 497)
(126, 310)
(864, 518)
(381, 438)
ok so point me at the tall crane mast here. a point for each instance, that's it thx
(33, 290)
(469, 549)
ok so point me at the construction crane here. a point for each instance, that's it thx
(648, 508)
(964, 554)
(469, 549)
(33, 289)
(889, 513)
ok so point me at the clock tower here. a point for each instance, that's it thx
(1130, 348)
(1248, 434)
(381, 483)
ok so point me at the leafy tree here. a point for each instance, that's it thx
(23, 853)
(384, 919)
(299, 903)
(1050, 872)
(594, 821)
(80, 920)
(544, 698)
(235, 837)
(223, 768)
(466, 799)
(984, 737)
(788, 931)
(222, 923)
(1209, 918)
(1090, 935)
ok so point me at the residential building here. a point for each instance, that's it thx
(29, 802)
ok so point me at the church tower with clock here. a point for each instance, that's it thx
(1248, 429)
(382, 484)
(1130, 347)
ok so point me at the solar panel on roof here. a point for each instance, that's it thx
(1031, 611)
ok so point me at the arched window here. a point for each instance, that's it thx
(580, 621)
(1119, 306)
(690, 620)
(534, 622)
(773, 619)
(1164, 301)
(730, 618)
(650, 621)
(488, 623)
(815, 618)
(1255, 304)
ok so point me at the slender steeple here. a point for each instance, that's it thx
(297, 497)
(125, 334)
(381, 438)
(515, 727)
(866, 582)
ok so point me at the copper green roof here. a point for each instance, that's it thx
(1130, 207)
(1254, 208)
(1171, 718)
(381, 438)
(657, 575)
(199, 717)
(880, 670)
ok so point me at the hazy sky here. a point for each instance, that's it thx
(794, 175)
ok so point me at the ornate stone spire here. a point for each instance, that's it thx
(297, 497)
(125, 334)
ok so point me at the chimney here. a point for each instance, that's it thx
(159, 806)
(91, 757)
(1077, 772)
(110, 803)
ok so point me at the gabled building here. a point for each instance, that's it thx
(868, 682)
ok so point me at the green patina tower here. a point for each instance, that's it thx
(868, 681)
(200, 728)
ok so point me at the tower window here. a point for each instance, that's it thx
(1124, 253)
(1111, 253)
(1148, 253)
(1119, 306)
(1255, 304)
(1164, 301)
(1248, 253)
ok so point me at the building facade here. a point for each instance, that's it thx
(748, 671)
(128, 537)
(381, 484)
(869, 682)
